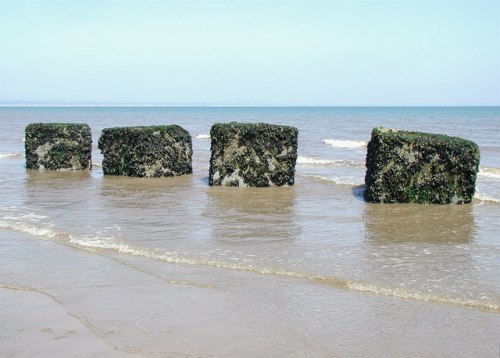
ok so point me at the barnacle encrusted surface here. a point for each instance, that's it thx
(414, 167)
(146, 151)
(252, 154)
(58, 146)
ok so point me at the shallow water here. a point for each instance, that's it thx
(172, 267)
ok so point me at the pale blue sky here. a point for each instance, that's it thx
(251, 52)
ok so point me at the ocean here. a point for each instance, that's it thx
(95, 265)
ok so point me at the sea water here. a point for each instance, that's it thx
(172, 267)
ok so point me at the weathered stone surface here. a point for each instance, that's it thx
(151, 151)
(58, 146)
(412, 167)
(255, 155)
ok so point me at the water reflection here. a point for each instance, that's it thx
(424, 252)
(57, 188)
(55, 178)
(152, 209)
(245, 215)
(143, 192)
(432, 224)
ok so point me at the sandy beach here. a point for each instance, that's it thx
(36, 324)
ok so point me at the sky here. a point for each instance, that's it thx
(299, 53)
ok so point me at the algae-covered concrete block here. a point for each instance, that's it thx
(58, 146)
(150, 151)
(253, 154)
(413, 167)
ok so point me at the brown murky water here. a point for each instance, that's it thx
(110, 266)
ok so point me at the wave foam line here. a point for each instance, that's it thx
(417, 296)
(9, 155)
(331, 281)
(97, 244)
(485, 198)
(29, 226)
(203, 136)
(335, 162)
(349, 181)
(34, 225)
(492, 173)
(350, 144)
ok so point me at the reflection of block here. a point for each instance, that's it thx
(420, 168)
(256, 155)
(154, 151)
(422, 224)
(58, 146)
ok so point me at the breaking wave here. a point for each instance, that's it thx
(19, 219)
(350, 181)
(203, 136)
(350, 144)
(329, 162)
(10, 155)
(492, 173)
(485, 198)
(420, 296)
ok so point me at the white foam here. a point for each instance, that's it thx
(492, 173)
(350, 181)
(9, 155)
(22, 220)
(350, 144)
(31, 228)
(485, 198)
(335, 162)
(175, 258)
(101, 243)
(98, 243)
(25, 223)
(203, 136)
(419, 296)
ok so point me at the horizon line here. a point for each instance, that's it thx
(8, 104)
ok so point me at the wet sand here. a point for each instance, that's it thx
(35, 324)
(107, 304)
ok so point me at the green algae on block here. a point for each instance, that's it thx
(252, 154)
(146, 151)
(58, 146)
(413, 167)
